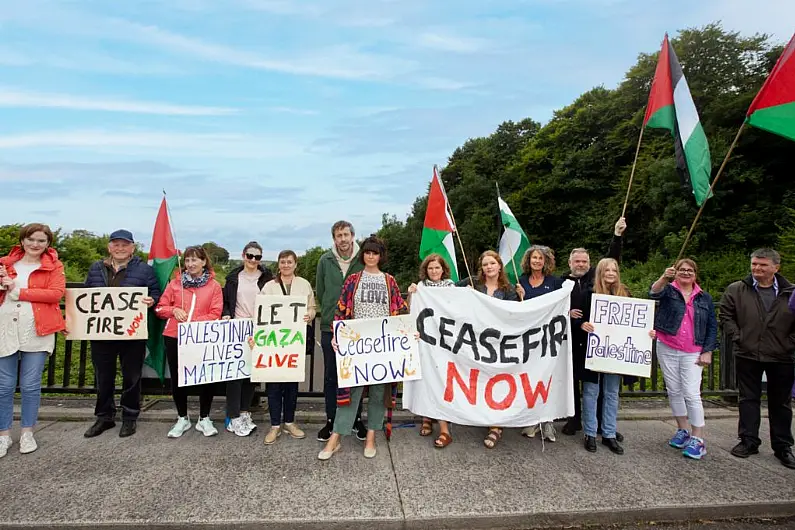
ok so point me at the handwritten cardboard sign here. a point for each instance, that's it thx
(620, 342)
(214, 351)
(279, 353)
(106, 313)
(376, 350)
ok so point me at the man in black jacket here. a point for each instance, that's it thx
(754, 313)
(582, 274)
(121, 269)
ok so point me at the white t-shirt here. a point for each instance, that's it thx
(17, 326)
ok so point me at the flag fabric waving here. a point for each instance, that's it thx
(671, 107)
(437, 231)
(163, 259)
(773, 108)
(513, 243)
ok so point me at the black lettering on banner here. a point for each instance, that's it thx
(527, 344)
(557, 337)
(424, 315)
(505, 345)
(467, 336)
(443, 323)
(486, 334)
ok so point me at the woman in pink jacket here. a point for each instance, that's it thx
(194, 296)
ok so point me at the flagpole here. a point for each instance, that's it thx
(632, 174)
(455, 230)
(179, 261)
(513, 256)
(711, 187)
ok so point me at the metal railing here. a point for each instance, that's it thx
(718, 379)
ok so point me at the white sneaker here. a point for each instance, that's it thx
(531, 431)
(181, 427)
(5, 444)
(248, 421)
(206, 427)
(239, 427)
(27, 443)
(549, 431)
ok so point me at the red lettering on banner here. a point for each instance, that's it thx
(532, 395)
(290, 360)
(470, 392)
(507, 400)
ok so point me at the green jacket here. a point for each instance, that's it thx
(329, 285)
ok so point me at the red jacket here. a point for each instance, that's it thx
(208, 306)
(46, 287)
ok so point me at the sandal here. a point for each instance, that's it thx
(495, 433)
(427, 427)
(443, 441)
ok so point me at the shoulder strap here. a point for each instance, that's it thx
(284, 291)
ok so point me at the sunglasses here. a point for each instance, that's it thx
(255, 257)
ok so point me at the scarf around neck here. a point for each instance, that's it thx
(441, 283)
(189, 282)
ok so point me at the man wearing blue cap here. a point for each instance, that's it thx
(121, 269)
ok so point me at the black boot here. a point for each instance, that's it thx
(612, 444)
(128, 428)
(590, 444)
(572, 426)
(99, 427)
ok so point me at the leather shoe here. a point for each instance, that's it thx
(98, 428)
(612, 444)
(619, 437)
(571, 427)
(786, 458)
(590, 444)
(128, 428)
(744, 450)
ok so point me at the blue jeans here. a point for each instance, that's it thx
(282, 400)
(590, 395)
(30, 369)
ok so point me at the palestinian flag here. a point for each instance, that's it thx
(163, 259)
(671, 107)
(773, 108)
(513, 243)
(437, 232)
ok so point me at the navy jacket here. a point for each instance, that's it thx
(139, 274)
(671, 310)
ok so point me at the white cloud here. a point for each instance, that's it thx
(146, 142)
(441, 83)
(442, 40)
(21, 99)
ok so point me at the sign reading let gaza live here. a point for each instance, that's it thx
(620, 342)
(279, 353)
(106, 313)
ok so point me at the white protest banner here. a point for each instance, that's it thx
(372, 351)
(214, 351)
(279, 354)
(620, 342)
(106, 313)
(492, 362)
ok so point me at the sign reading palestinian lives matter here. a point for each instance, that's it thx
(214, 351)
(106, 313)
(279, 353)
(492, 362)
(620, 342)
(373, 351)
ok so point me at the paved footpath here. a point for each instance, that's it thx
(151, 481)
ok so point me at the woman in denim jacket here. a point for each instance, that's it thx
(687, 332)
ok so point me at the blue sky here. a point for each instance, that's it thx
(271, 119)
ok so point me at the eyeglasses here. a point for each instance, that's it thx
(686, 271)
(255, 257)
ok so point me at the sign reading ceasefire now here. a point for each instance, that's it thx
(106, 313)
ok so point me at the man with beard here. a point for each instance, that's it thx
(582, 274)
